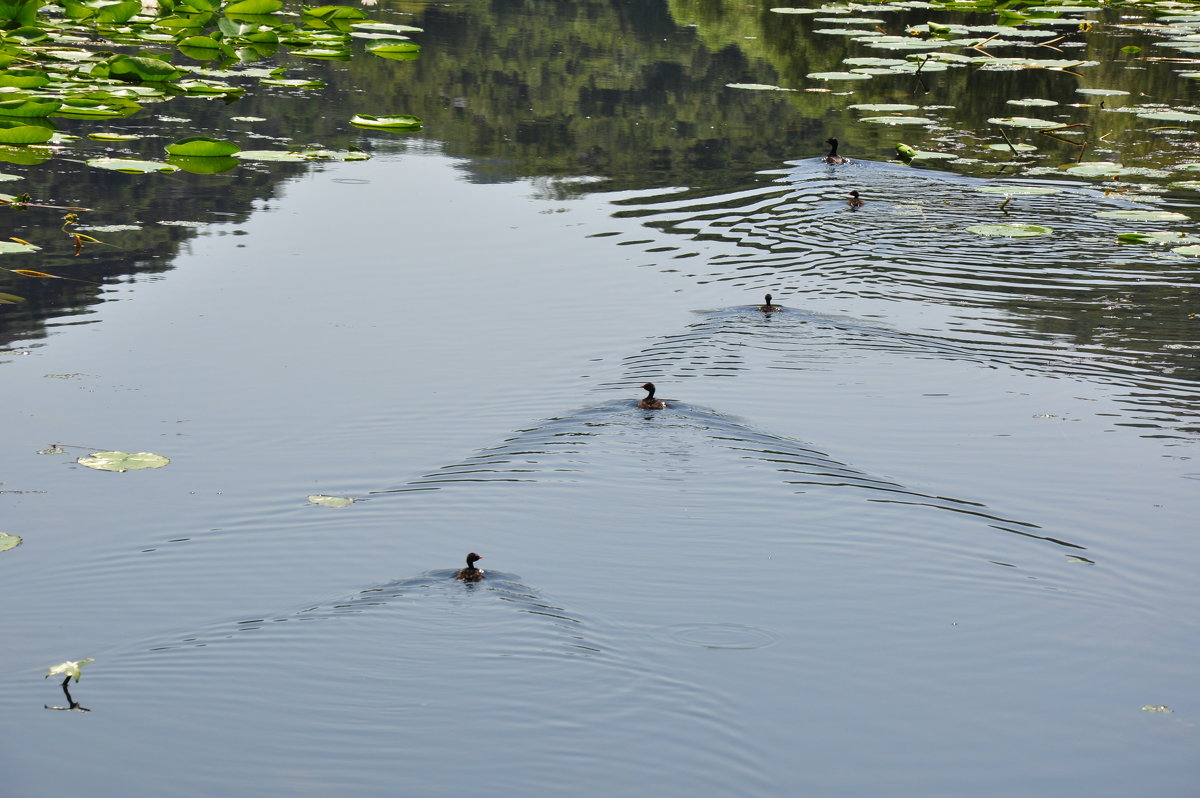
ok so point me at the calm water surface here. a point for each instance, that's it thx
(929, 530)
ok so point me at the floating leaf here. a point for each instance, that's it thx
(22, 134)
(1156, 237)
(11, 299)
(1011, 147)
(8, 541)
(69, 669)
(1156, 708)
(1191, 249)
(1022, 121)
(254, 7)
(301, 83)
(837, 76)
(1144, 216)
(129, 67)
(123, 461)
(17, 246)
(331, 501)
(899, 120)
(1011, 230)
(202, 147)
(1102, 92)
(756, 87)
(386, 122)
(270, 155)
(24, 106)
(130, 166)
(102, 135)
(1169, 116)
(1032, 101)
(883, 107)
(905, 152)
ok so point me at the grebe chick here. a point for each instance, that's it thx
(854, 202)
(833, 157)
(650, 403)
(471, 573)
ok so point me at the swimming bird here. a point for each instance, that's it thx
(768, 307)
(854, 202)
(833, 157)
(650, 403)
(470, 573)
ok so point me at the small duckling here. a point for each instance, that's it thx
(471, 573)
(833, 157)
(768, 307)
(854, 202)
(650, 403)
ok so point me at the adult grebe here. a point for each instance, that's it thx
(471, 573)
(769, 308)
(833, 157)
(650, 403)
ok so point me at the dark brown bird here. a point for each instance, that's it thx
(768, 307)
(833, 156)
(470, 573)
(854, 202)
(650, 403)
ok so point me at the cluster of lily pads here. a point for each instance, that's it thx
(65, 61)
(1039, 26)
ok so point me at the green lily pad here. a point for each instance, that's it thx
(15, 246)
(882, 108)
(1102, 92)
(130, 166)
(11, 299)
(1095, 169)
(386, 122)
(123, 461)
(1169, 116)
(1022, 121)
(290, 156)
(1019, 147)
(25, 134)
(24, 106)
(245, 7)
(1018, 190)
(299, 83)
(1011, 230)
(202, 147)
(1192, 249)
(70, 669)
(898, 120)
(331, 501)
(1155, 237)
(1143, 216)
(756, 87)
(1033, 101)
(837, 76)
(102, 135)
(8, 541)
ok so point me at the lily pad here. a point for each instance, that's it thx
(11, 299)
(130, 166)
(1009, 148)
(8, 541)
(16, 246)
(1192, 249)
(881, 108)
(202, 147)
(331, 501)
(837, 76)
(123, 461)
(1033, 101)
(1011, 230)
(1022, 121)
(1102, 92)
(756, 87)
(386, 122)
(1155, 237)
(102, 135)
(899, 120)
(1169, 116)
(1144, 216)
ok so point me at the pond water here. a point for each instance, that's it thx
(929, 529)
